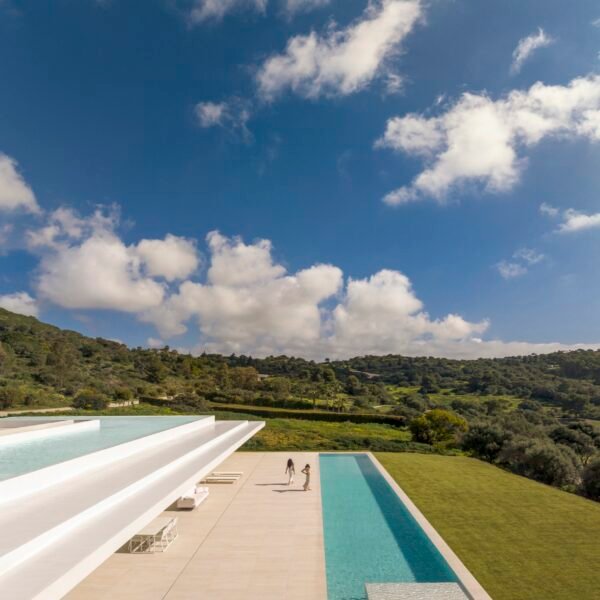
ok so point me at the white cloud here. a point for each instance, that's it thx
(171, 258)
(596, 22)
(21, 303)
(342, 61)
(574, 221)
(312, 313)
(529, 256)
(249, 301)
(15, 194)
(85, 265)
(210, 114)
(510, 270)
(233, 116)
(154, 343)
(292, 7)
(548, 210)
(214, 10)
(527, 46)
(523, 258)
(479, 140)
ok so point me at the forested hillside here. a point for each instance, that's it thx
(42, 364)
(535, 415)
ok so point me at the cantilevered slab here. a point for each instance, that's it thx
(53, 537)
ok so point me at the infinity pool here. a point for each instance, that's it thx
(370, 536)
(24, 457)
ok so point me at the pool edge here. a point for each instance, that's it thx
(466, 579)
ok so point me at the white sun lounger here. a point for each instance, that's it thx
(227, 473)
(219, 479)
(196, 497)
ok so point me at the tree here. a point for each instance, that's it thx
(122, 394)
(590, 480)
(581, 443)
(154, 369)
(428, 385)
(541, 460)
(485, 440)
(437, 426)
(353, 386)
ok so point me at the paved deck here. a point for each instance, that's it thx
(256, 539)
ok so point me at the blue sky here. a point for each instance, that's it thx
(387, 152)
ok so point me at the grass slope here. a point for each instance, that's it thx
(522, 540)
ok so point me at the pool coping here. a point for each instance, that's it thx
(466, 580)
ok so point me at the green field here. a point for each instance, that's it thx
(522, 540)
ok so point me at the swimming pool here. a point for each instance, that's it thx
(25, 457)
(370, 536)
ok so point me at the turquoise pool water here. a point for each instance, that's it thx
(24, 457)
(370, 537)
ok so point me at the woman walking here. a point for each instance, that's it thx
(290, 471)
(306, 471)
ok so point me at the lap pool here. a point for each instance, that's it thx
(370, 536)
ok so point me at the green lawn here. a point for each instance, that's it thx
(522, 540)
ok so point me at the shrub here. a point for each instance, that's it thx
(590, 480)
(90, 400)
(540, 460)
(485, 440)
(437, 426)
(122, 394)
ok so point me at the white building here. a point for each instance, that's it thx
(73, 491)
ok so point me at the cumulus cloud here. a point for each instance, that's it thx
(172, 258)
(232, 115)
(85, 264)
(527, 46)
(480, 140)
(199, 11)
(249, 301)
(154, 343)
(251, 304)
(15, 194)
(574, 221)
(341, 61)
(21, 303)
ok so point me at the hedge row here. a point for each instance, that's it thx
(311, 415)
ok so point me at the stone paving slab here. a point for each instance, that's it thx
(255, 539)
(415, 591)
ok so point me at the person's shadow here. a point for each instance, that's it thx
(284, 491)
